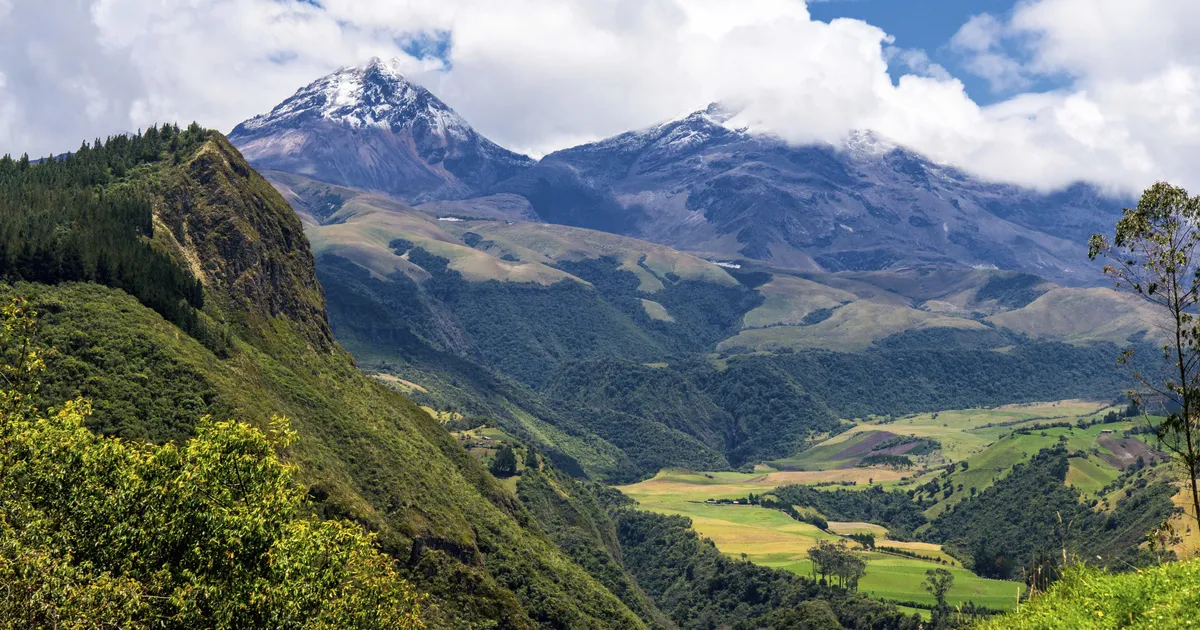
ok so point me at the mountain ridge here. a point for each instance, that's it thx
(699, 183)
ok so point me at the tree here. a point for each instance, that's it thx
(505, 463)
(531, 460)
(212, 533)
(1153, 255)
(837, 560)
(938, 583)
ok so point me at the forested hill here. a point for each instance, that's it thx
(174, 282)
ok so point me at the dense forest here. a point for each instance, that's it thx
(84, 217)
(1031, 516)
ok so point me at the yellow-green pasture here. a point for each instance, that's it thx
(772, 538)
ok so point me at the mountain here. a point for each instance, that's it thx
(175, 283)
(617, 357)
(702, 184)
(369, 127)
(699, 183)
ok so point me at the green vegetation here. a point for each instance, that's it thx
(56, 227)
(1001, 539)
(363, 453)
(1163, 596)
(1153, 255)
(505, 463)
(717, 591)
(768, 536)
(894, 510)
(97, 531)
(572, 514)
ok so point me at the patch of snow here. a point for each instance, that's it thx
(946, 228)
(454, 219)
(375, 94)
(988, 266)
(867, 144)
(846, 227)
(727, 265)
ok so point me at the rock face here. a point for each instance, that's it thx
(242, 240)
(368, 127)
(701, 184)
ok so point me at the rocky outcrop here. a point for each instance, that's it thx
(242, 240)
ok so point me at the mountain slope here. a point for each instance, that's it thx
(700, 184)
(365, 452)
(370, 128)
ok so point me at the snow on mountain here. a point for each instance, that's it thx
(702, 183)
(369, 127)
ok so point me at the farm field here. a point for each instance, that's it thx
(982, 445)
(772, 538)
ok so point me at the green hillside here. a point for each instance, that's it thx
(1165, 596)
(364, 452)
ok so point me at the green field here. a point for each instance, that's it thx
(986, 439)
(772, 538)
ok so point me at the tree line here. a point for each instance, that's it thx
(88, 217)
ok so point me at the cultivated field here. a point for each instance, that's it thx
(772, 538)
(990, 441)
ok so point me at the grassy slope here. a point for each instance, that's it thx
(1166, 596)
(367, 452)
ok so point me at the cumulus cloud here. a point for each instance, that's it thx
(981, 41)
(538, 75)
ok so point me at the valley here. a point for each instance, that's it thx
(688, 377)
(975, 447)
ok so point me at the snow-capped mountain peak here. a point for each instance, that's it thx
(375, 94)
(418, 147)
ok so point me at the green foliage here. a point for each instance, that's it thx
(505, 463)
(1031, 511)
(892, 509)
(1086, 597)
(773, 414)
(898, 381)
(526, 329)
(1154, 256)
(837, 563)
(83, 217)
(883, 459)
(699, 587)
(139, 385)
(211, 533)
(1013, 291)
(938, 583)
(572, 514)
(704, 313)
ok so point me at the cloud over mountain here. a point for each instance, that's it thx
(539, 75)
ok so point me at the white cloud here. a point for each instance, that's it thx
(917, 61)
(981, 41)
(536, 75)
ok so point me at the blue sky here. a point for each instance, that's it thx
(929, 25)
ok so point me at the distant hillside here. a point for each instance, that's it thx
(621, 356)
